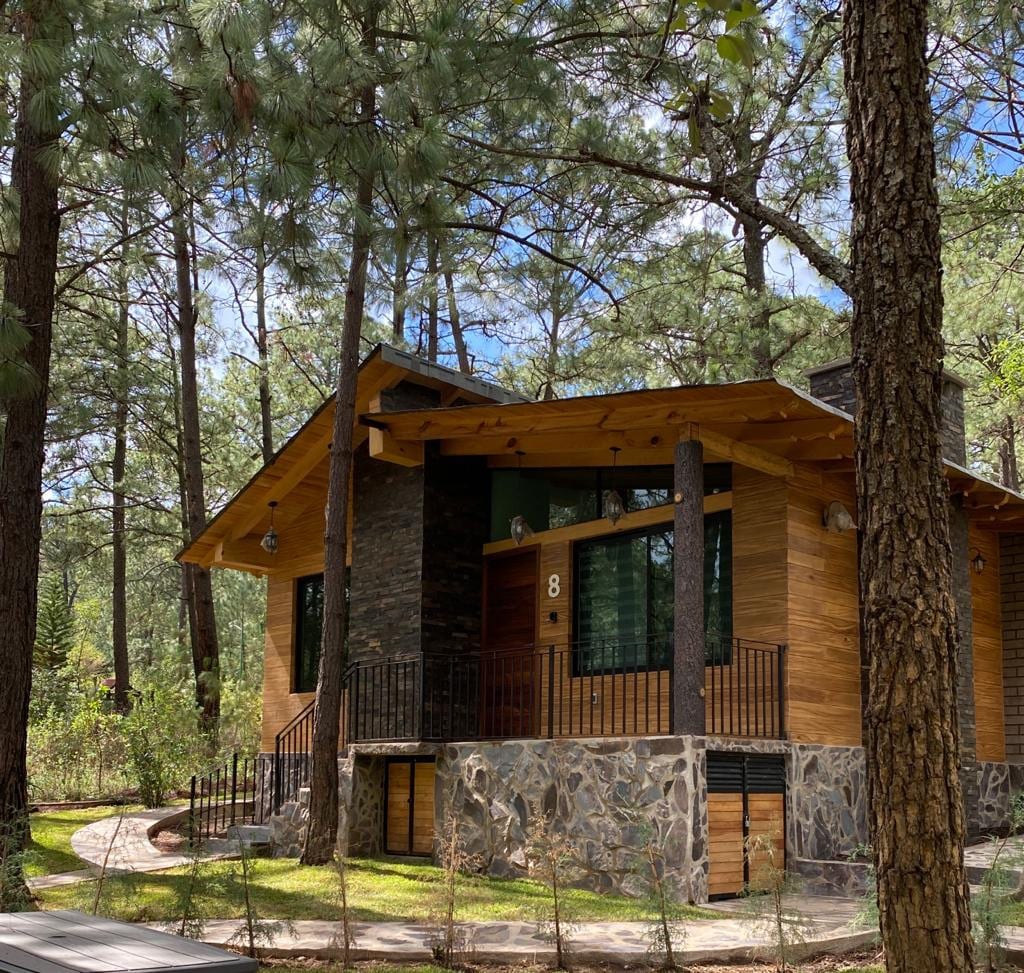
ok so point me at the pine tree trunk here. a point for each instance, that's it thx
(322, 823)
(263, 356)
(431, 297)
(454, 319)
(401, 284)
(29, 286)
(205, 648)
(910, 622)
(119, 586)
(1008, 473)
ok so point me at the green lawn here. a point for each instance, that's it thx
(379, 890)
(50, 850)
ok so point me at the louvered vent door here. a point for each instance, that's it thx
(746, 799)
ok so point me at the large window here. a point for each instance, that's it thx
(550, 498)
(309, 623)
(625, 598)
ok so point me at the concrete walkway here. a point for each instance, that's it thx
(833, 929)
(125, 844)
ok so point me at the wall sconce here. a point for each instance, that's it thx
(837, 519)
(614, 508)
(520, 529)
(269, 539)
(978, 561)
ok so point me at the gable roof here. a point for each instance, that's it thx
(763, 423)
(299, 468)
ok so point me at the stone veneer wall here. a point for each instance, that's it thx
(597, 791)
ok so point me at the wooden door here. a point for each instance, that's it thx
(409, 806)
(509, 667)
(746, 820)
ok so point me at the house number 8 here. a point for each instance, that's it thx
(554, 586)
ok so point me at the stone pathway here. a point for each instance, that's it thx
(978, 858)
(128, 841)
(729, 939)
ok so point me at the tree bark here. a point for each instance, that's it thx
(322, 824)
(401, 284)
(263, 355)
(119, 586)
(1008, 472)
(454, 319)
(432, 297)
(205, 648)
(910, 622)
(29, 287)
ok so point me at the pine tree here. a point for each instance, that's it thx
(55, 625)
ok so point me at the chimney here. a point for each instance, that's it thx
(832, 383)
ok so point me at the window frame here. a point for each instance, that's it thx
(297, 629)
(578, 669)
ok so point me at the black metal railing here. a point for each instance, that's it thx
(290, 770)
(596, 688)
(228, 795)
(744, 688)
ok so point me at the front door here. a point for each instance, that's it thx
(409, 803)
(746, 820)
(509, 667)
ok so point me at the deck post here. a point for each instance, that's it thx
(688, 652)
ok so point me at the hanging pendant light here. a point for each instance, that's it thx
(614, 508)
(269, 539)
(518, 527)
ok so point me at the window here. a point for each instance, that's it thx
(550, 498)
(309, 622)
(625, 598)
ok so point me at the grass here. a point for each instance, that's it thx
(50, 849)
(379, 891)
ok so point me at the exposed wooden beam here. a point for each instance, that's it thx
(596, 442)
(303, 464)
(753, 457)
(243, 555)
(403, 452)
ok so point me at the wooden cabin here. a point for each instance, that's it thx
(673, 564)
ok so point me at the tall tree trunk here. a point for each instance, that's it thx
(454, 319)
(205, 648)
(910, 621)
(401, 283)
(431, 297)
(263, 355)
(1008, 472)
(322, 825)
(29, 286)
(755, 250)
(119, 587)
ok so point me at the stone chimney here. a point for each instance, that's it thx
(832, 383)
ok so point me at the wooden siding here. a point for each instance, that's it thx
(767, 816)
(823, 658)
(401, 776)
(988, 647)
(725, 844)
(280, 704)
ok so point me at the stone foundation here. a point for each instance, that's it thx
(599, 792)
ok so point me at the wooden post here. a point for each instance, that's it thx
(688, 654)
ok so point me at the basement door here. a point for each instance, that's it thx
(746, 808)
(409, 806)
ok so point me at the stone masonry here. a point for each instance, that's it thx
(603, 792)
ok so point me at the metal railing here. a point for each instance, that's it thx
(290, 770)
(744, 687)
(596, 688)
(228, 795)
